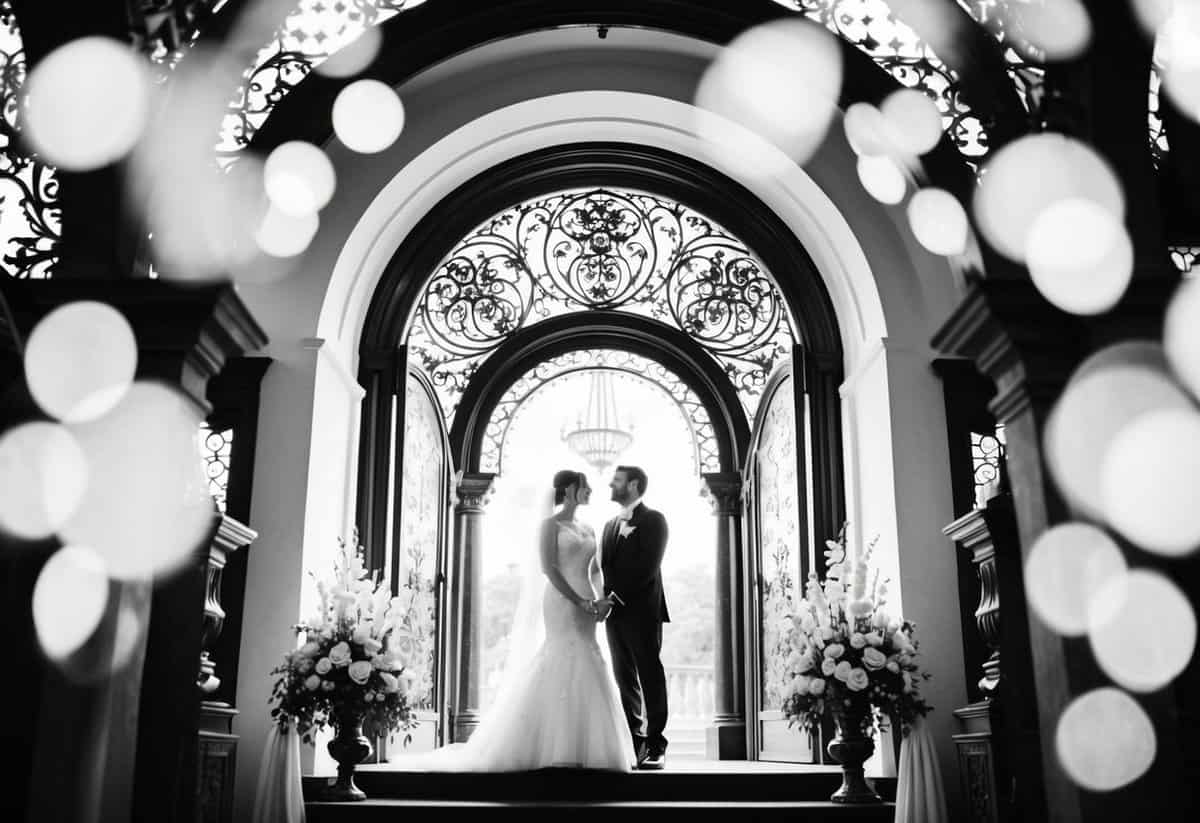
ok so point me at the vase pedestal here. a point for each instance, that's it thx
(852, 747)
(349, 747)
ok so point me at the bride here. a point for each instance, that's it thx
(558, 704)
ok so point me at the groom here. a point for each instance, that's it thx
(631, 558)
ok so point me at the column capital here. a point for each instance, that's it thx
(724, 492)
(472, 490)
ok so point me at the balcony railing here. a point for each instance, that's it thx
(690, 695)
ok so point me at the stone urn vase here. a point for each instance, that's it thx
(851, 747)
(349, 747)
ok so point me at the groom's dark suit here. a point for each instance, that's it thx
(632, 573)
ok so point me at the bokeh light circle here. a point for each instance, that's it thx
(368, 116)
(153, 508)
(353, 57)
(1148, 481)
(1181, 334)
(1090, 412)
(1080, 257)
(1105, 740)
(866, 130)
(69, 600)
(938, 221)
(781, 81)
(1065, 569)
(88, 102)
(80, 360)
(1059, 29)
(299, 178)
(286, 235)
(43, 476)
(1142, 630)
(882, 179)
(915, 124)
(1027, 176)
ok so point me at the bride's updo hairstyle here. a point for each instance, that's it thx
(564, 480)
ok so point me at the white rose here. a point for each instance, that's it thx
(800, 684)
(874, 659)
(828, 666)
(312, 682)
(857, 680)
(893, 667)
(305, 665)
(816, 687)
(874, 639)
(360, 671)
(857, 640)
(826, 632)
(390, 683)
(842, 670)
(834, 651)
(309, 649)
(372, 646)
(361, 635)
(326, 685)
(806, 662)
(324, 665)
(339, 655)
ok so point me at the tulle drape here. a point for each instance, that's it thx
(279, 795)
(920, 795)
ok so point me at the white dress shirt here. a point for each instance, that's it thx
(623, 519)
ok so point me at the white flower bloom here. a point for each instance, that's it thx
(828, 666)
(312, 682)
(842, 671)
(361, 634)
(816, 687)
(900, 641)
(857, 640)
(874, 639)
(893, 667)
(305, 665)
(324, 665)
(309, 649)
(390, 683)
(857, 680)
(835, 650)
(360, 671)
(826, 632)
(372, 646)
(369, 696)
(380, 697)
(326, 685)
(874, 659)
(339, 655)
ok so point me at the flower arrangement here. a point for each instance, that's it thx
(349, 665)
(850, 657)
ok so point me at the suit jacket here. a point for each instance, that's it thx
(632, 565)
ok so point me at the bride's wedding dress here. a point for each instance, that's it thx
(561, 710)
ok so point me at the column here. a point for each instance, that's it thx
(726, 738)
(473, 492)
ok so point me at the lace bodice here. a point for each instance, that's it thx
(576, 548)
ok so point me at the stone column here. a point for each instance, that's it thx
(726, 738)
(473, 492)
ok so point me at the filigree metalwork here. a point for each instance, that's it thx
(309, 35)
(702, 435)
(1184, 258)
(588, 249)
(779, 541)
(873, 28)
(30, 217)
(163, 29)
(215, 449)
(1159, 147)
(987, 453)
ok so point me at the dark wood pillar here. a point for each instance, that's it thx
(725, 739)
(473, 492)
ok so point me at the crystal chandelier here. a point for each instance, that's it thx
(598, 436)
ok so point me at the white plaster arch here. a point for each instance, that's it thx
(572, 117)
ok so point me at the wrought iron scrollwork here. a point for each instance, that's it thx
(30, 217)
(700, 429)
(216, 448)
(581, 250)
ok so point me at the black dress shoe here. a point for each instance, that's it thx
(654, 762)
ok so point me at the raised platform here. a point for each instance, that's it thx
(699, 789)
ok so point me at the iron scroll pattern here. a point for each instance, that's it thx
(700, 428)
(30, 216)
(779, 541)
(216, 449)
(590, 249)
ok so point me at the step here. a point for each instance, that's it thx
(683, 781)
(391, 811)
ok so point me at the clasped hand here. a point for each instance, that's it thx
(599, 609)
